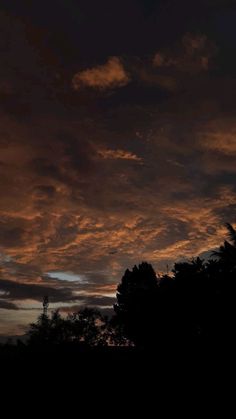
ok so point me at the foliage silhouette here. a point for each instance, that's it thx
(136, 303)
(83, 327)
(195, 303)
(227, 252)
(87, 326)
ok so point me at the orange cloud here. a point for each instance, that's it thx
(107, 76)
(221, 141)
(118, 154)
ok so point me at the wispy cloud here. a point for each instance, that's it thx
(220, 136)
(119, 154)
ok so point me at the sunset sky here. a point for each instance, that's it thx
(118, 144)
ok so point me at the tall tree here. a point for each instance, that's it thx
(136, 303)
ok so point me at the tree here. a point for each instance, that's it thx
(225, 277)
(191, 298)
(196, 301)
(136, 304)
(47, 330)
(87, 326)
(227, 252)
(39, 332)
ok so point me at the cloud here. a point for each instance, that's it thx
(108, 76)
(148, 77)
(169, 69)
(11, 235)
(92, 301)
(6, 305)
(15, 290)
(44, 191)
(119, 154)
(220, 136)
(193, 55)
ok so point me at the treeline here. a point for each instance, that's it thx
(196, 302)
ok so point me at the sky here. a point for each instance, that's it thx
(117, 144)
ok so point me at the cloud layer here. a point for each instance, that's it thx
(113, 149)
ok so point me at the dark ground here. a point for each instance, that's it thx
(192, 380)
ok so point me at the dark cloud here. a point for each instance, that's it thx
(19, 291)
(44, 191)
(46, 168)
(11, 236)
(99, 301)
(7, 305)
(92, 301)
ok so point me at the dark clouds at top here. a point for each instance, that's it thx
(117, 143)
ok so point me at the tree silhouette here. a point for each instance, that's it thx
(48, 330)
(227, 252)
(191, 297)
(196, 302)
(136, 303)
(226, 286)
(39, 332)
(87, 326)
